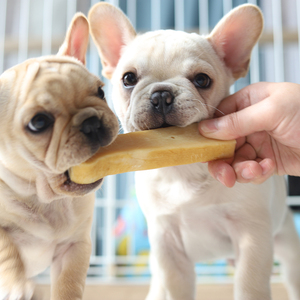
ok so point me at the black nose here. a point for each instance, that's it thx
(162, 101)
(96, 132)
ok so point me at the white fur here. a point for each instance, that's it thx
(191, 217)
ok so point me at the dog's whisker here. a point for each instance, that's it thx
(216, 109)
(203, 104)
(208, 105)
(146, 126)
(121, 130)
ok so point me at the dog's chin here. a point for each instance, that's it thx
(73, 188)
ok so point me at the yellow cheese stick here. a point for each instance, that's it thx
(151, 149)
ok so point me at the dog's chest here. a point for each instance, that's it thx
(203, 211)
(36, 229)
(199, 206)
(166, 190)
(41, 220)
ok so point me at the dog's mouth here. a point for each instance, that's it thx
(164, 125)
(79, 189)
(156, 126)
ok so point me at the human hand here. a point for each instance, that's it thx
(265, 120)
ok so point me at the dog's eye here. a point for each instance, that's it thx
(101, 93)
(202, 81)
(129, 79)
(40, 122)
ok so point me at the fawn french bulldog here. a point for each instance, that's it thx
(165, 78)
(53, 115)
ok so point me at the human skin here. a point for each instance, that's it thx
(264, 118)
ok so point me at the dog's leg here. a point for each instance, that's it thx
(287, 248)
(157, 289)
(254, 253)
(13, 281)
(173, 275)
(68, 271)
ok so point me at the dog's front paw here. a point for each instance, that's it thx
(14, 284)
(17, 291)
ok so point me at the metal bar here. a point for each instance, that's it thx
(71, 10)
(203, 17)
(3, 5)
(278, 40)
(179, 15)
(23, 30)
(47, 27)
(131, 12)
(121, 259)
(114, 2)
(254, 63)
(94, 61)
(120, 204)
(155, 14)
(227, 6)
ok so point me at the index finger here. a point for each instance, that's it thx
(243, 98)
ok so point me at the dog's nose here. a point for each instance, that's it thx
(95, 131)
(162, 101)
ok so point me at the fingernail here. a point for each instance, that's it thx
(220, 178)
(208, 126)
(247, 174)
(265, 165)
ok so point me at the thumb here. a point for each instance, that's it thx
(238, 124)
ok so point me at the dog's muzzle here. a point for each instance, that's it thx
(162, 101)
(96, 132)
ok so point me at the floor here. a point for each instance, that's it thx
(138, 292)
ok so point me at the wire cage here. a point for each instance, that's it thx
(30, 28)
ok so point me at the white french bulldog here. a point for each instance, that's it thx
(165, 78)
(53, 115)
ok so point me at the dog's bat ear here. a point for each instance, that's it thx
(77, 38)
(111, 30)
(235, 35)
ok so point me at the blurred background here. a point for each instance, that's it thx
(30, 28)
